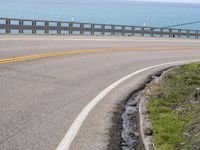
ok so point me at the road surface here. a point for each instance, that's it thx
(42, 96)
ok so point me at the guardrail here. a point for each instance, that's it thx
(25, 26)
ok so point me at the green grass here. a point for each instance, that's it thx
(174, 111)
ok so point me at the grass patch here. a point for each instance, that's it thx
(174, 109)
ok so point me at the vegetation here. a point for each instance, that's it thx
(174, 109)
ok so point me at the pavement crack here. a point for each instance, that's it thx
(22, 127)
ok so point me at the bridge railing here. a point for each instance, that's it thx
(25, 26)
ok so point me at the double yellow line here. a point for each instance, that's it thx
(37, 56)
(30, 57)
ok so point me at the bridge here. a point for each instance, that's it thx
(25, 26)
(60, 91)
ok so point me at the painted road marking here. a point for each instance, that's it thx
(30, 57)
(37, 56)
(76, 125)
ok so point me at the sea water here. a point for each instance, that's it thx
(107, 12)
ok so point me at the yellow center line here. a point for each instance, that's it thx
(30, 57)
(37, 56)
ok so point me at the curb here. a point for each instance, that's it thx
(145, 124)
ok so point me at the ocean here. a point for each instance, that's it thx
(124, 13)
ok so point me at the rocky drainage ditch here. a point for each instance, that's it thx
(131, 130)
(126, 132)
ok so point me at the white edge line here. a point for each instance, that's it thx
(73, 130)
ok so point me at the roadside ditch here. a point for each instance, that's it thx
(125, 132)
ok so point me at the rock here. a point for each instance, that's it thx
(133, 103)
(148, 131)
(197, 92)
(148, 91)
(154, 77)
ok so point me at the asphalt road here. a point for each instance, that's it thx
(40, 98)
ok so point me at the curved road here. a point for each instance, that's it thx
(41, 97)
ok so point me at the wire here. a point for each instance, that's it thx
(183, 24)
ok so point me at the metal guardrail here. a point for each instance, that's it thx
(26, 26)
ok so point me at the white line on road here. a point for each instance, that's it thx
(73, 130)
